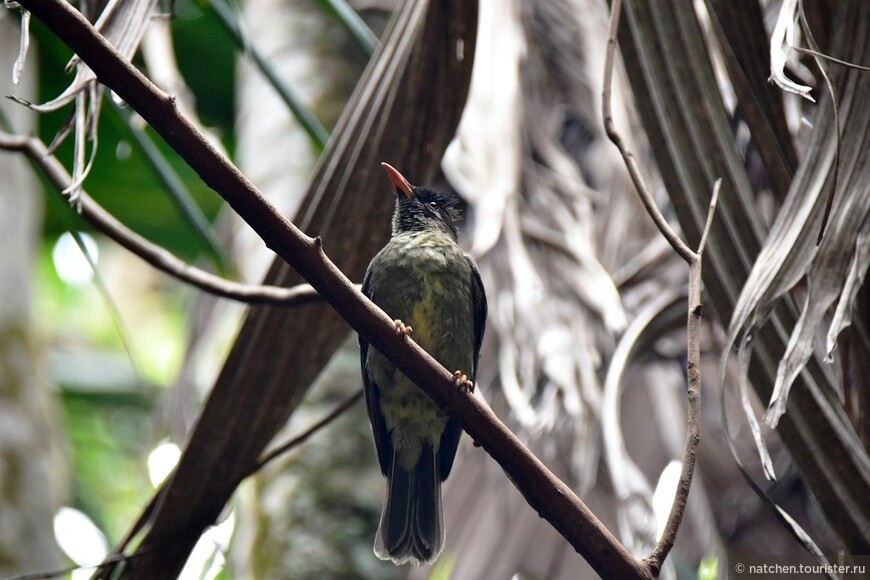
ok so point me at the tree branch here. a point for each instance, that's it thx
(694, 260)
(155, 255)
(305, 435)
(693, 393)
(545, 493)
(643, 191)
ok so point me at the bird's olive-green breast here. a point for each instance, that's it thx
(423, 279)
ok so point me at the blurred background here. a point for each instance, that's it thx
(105, 363)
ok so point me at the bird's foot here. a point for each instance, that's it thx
(463, 382)
(401, 328)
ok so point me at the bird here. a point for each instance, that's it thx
(433, 291)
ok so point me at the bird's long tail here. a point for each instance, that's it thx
(412, 523)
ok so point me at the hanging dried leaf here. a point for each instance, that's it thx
(782, 42)
(790, 253)
(123, 24)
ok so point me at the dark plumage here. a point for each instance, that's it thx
(422, 278)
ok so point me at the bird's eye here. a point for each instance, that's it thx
(433, 204)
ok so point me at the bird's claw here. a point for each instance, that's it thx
(401, 328)
(463, 382)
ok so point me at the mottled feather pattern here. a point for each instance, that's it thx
(422, 278)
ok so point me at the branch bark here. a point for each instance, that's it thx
(693, 326)
(544, 492)
(155, 255)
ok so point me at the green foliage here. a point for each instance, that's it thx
(443, 568)
(107, 435)
(709, 568)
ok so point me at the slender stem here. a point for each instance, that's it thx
(711, 211)
(358, 29)
(175, 187)
(146, 513)
(822, 55)
(148, 251)
(694, 259)
(643, 191)
(63, 572)
(305, 435)
(693, 391)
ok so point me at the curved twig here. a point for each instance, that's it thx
(643, 191)
(148, 251)
(694, 260)
(305, 435)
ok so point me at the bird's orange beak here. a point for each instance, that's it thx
(400, 184)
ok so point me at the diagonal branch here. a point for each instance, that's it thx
(693, 394)
(643, 191)
(155, 255)
(694, 260)
(305, 435)
(545, 493)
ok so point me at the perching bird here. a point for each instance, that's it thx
(434, 292)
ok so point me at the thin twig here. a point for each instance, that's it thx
(305, 435)
(148, 251)
(355, 25)
(176, 189)
(828, 57)
(694, 259)
(693, 393)
(643, 192)
(145, 515)
(109, 561)
(711, 211)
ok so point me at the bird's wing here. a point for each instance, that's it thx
(383, 446)
(452, 432)
(478, 297)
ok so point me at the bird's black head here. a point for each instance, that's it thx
(421, 209)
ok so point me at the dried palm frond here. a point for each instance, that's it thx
(123, 24)
(690, 126)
